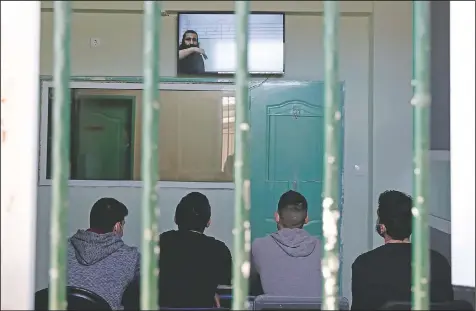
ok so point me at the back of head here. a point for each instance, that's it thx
(106, 213)
(193, 212)
(292, 210)
(395, 212)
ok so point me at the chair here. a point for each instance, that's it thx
(225, 292)
(226, 301)
(268, 302)
(194, 309)
(456, 305)
(78, 299)
(465, 293)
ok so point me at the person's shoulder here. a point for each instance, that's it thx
(130, 250)
(128, 255)
(259, 242)
(168, 234)
(438, 260)
(437, 255)
(220, 245)
(368, 257)
(360, 260)
(169, 239)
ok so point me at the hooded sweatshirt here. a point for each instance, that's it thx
(288, 263)
(103, 264)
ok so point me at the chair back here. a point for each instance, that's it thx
(465, 293)
(456, 305)
(194, 309)
(78, 299)
(226, 301)
(268, 302)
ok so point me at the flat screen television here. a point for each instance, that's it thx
(206, 43)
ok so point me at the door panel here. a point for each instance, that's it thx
(104, 139)
(289, 140)
(312, 191)
(287, 150)
(271, 190)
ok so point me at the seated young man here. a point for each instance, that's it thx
(287, 262)
(191, 264)
(98, 259)
(384, 274)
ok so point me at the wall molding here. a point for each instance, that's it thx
(439, 223)
(440, 155)
(225, 6)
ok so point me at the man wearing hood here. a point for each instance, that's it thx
(98, 259)
(287, 262)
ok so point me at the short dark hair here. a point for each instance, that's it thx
(292, 210)
(395, 212)
(193, 212)
(105, 213)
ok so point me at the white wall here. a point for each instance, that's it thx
(375, 63)
(462, 142)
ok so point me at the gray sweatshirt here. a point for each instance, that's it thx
(103, 264)
(288, 263)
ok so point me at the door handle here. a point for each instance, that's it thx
(294, 185)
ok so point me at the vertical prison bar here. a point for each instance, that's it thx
(150, 158)
(20, 49)
(332, 140)
(242, 228)
(421, 139)
(60, 154)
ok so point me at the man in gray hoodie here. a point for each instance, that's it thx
(288, 261)
(98, 259)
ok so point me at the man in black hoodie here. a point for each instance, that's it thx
(191, 264)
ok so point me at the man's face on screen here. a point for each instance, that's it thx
(191, 40)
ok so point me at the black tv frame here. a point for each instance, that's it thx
(226, 74)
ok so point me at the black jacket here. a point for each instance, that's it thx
(385, 275)
(191, 267)
(192, 64)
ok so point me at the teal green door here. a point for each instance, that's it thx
(286, 150)
(104, 139)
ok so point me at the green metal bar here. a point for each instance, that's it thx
(150, 158)
(332, 120)
(421, 137)
(60, 155)
(242, 230)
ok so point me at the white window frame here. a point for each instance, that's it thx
(226, 88)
